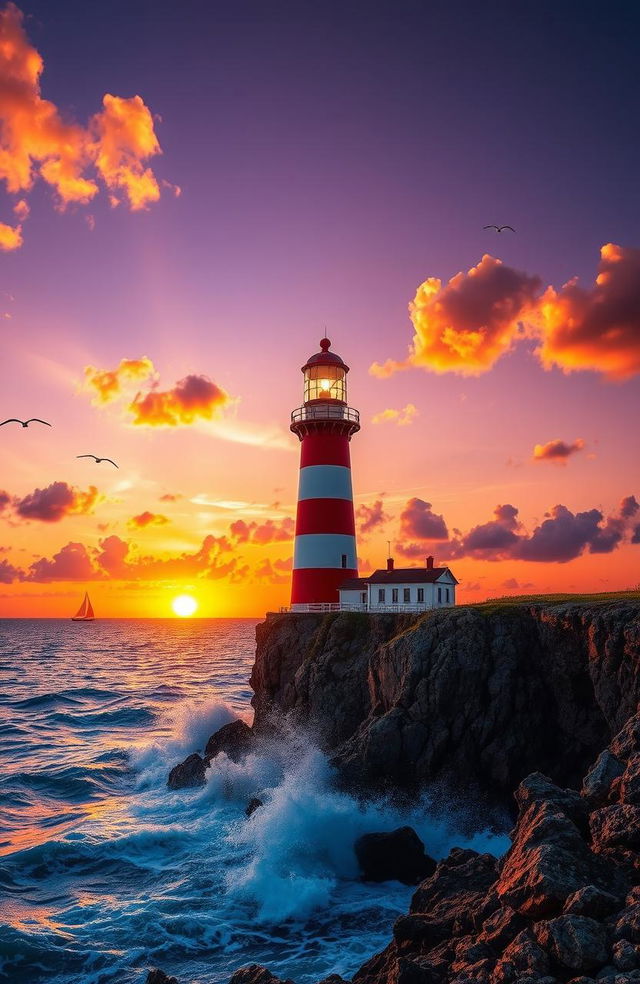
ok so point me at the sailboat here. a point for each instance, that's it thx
(85, 612)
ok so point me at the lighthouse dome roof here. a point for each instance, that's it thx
(325, 358)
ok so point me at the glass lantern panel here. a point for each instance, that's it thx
(325, 383)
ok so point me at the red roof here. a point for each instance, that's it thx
(401, 575)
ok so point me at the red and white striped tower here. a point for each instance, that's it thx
(325, 544)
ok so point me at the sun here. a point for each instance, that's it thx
(184, 606)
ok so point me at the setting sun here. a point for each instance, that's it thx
(184, 606)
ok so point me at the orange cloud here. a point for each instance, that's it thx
(10, 237)
(53, 503)
(108, 384)
(371, 517)
(402, 417)
(192, 398)
(598, 328)
(470, 323)
(37, 142)
(147, 518)
(557, 451)
(270, 531)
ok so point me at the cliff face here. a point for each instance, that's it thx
(477, 695)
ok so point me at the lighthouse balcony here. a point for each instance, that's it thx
(333, 417)
(325, 411)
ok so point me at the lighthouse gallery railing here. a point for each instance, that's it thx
(325, 411)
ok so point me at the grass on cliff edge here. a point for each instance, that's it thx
(511, 601)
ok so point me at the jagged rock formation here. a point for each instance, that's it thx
(479, 695)
(562, 906)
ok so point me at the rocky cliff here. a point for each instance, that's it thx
(479, 695)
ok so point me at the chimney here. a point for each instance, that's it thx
(389, 563)
(429, 563)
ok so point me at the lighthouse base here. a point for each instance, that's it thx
(318, 585)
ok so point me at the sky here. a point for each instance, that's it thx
(193, 194)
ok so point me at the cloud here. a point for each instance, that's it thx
(108, 384)
(371, 517)
(418, 520)
(402, 417)
(560, 538)
(10, 237)
(53, 503)
(71, 563)
(5, 500)
(192, 398)
(596, 328)
(265, 571)
(38, 142)
(170, 497)
(467, 325)
(514, 585)
(147, 518)
(9, 573)
(271, 531)
(557, 451)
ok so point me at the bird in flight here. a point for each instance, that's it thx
(499, 228)
(96, 459)
(25, 423)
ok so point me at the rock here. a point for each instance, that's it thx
(523, 956)
(256, 974)
(501, 928)
(333, 979)
(597, 782)
(547, 863)
(191, 772)
(159, 977)
(576, 942)
(592, 901)
(616, 826)
(253, 805)
(627, 926)
(456, 890)
(630, 783)
(235, 739)
(395, 856)
(484, 695)
(626, 956)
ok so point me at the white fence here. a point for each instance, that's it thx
(328, 607)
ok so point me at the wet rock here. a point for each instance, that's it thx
(394, 856)
(333, 979)
(159, 977)
(235, 739)
(593, 902)
(256, 974)
(576, 942)
(253, 805)
(191, 772)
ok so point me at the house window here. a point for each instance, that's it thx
(363, 597)
(439, 595)
(447, 593)
(344, 560)
(394, 596)
(381, 596)
(406, 595)
(420, 596)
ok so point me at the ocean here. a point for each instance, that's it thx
(105, 873)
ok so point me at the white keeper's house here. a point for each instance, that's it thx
(400, 589)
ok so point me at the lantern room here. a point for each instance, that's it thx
(325, 376)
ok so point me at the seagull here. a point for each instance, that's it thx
(25, 423)
(499, 228)
(96, 459)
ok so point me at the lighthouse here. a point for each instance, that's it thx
(325, 543)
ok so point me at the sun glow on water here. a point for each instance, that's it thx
(184, 606)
